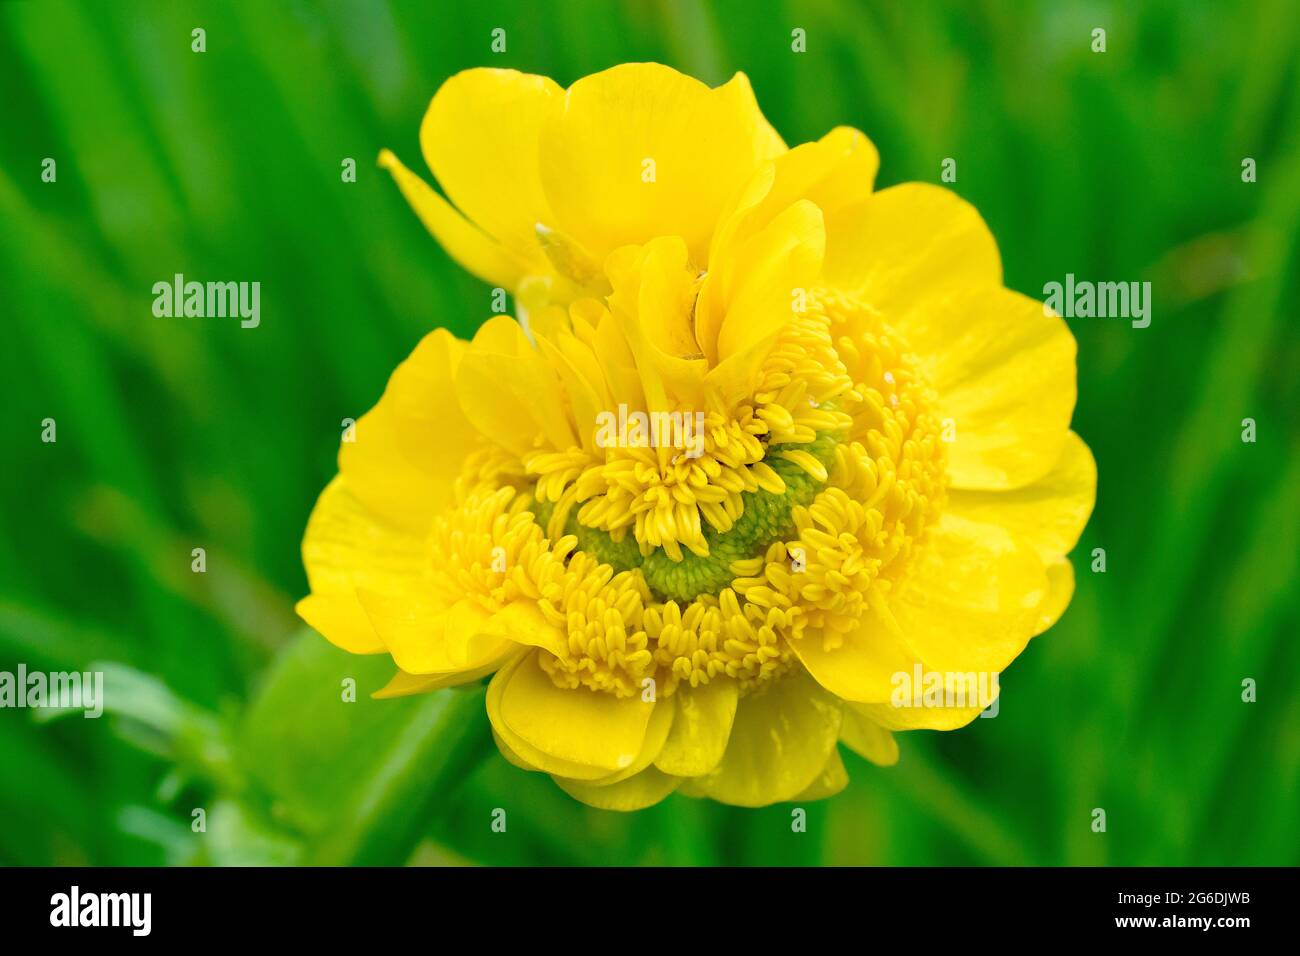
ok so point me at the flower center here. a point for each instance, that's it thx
(804, 506)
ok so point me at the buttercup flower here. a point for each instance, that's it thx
(769, 461)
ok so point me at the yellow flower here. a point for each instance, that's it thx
(773, 461)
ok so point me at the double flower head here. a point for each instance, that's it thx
(886, 482)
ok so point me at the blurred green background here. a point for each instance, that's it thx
(183, 433)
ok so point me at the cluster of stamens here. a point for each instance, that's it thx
(805, 504)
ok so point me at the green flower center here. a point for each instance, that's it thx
(765, 520)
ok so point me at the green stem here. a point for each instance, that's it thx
(444, 742)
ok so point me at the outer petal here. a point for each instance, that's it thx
(863, 667)
(367, 528)
(699, 734)
(346, 546)
(1003, 369)
(661, 722)
(403, 684)
(909, 243)
(516, 749)
(480, 138)
(465, 242)
(781, 740)
(919, 716)
(342, 620)
(829, 782)
(577, 726)
(704, 145)
(410, 447)
(1050, 514)
(425, 638)
(1005, 374)
(868, 739)
(1060, 578)
(970, 603)
(636, 792)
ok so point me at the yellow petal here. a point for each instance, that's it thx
(436, 436)
(637, 792)
(862, 668)
(486, 397)
(1060, 578)
(640, 150)
(578, 726)
(653, 292)
(586, 391)
(664, 296)
(473, 249)
(480, 138)
(781, 739)
(347, 546)
(378, 472)
(662, 719)
(947, 709)
(610, 345)
(403, 684)
(833, 172)
(523, 755)
(510, 392)
(581, 349)
(1004, 371)
(511, 757)
(1005, 374)
(701, 729)
(407, 451)
(340, 618)
(513, 747)
(970, 602)
(909, 243)
(1048, 515)
(427, 638)
(524, 623)
(829, 782)
(868, 739)
(755, 292)
(577, 271)
(734, 378)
